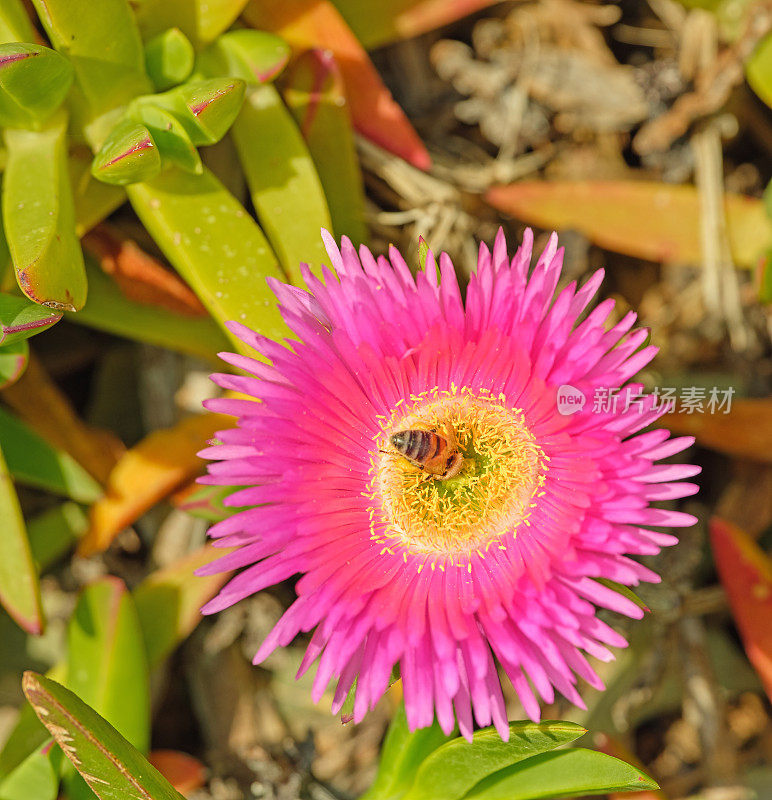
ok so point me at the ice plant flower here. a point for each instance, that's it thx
(448, 578)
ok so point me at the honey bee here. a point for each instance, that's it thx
(437, 455)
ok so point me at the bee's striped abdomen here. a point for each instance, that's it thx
(417, 445)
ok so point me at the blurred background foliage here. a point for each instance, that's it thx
(160, 159)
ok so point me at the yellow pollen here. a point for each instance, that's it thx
(494, 493)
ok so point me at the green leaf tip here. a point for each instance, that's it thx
(13, 362)
(129, 155)
(110, 765)
(169, 58)
(34, 81)
(423, 252)
(39, 217)
(20, 318)
(254, 56)
(205, 108)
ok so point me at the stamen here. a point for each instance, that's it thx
(491, 497)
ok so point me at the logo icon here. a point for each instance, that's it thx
(570, 400)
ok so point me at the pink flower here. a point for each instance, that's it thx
(445, 577)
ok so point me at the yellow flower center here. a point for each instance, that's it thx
(492, 495)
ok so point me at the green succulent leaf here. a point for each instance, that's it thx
(565, 773)
(282, 180)
(93, 199)
(34, 462)
(39, 217)
(128, 155)
(15, 25)
(111, 765)
(34, 81)
(169, 600)
(169, 58)
(170, 136)
(108, 309)
(205, 108)
(254, 56)
(20, 319)
(102, 41)
(206, 502)
(25, 737)
(625, 591)
(200, 20)
(36, 777)
(455, 767)
(28, 734)
(106, 662)
(19, 587)
(53, 533)
(402, 754)
(214, 245)
(13, 362)
(313, 90)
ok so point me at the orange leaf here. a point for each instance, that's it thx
(307, 24)
(138, 275)
(746, 573)
(745, 432)
(185, 773)
(147, 473)
(645, 219)
(42, 405)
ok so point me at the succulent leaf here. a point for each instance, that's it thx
(253, 56)
(205, 108)
(283, 182)
(15, 25)
(313, 90)
(169, 134)
(34, 81)
(102, 41)
(129, 155)
(169, 58)
(39, 216)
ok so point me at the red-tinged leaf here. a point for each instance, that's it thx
(146, 474)
(20, 319)
(13, 362)
(128, 155)
(48, 411)
(377, 24)
(745, 432)
(184, 773)
(111, 765)
(139, 276)
(313, 90)
(763, 277)
(644, 219)
(169, 600)
(205, 502)
(307, 24)
(746, 573)
(19, 588)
